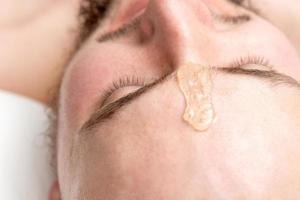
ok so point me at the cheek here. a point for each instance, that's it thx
(259, 38)
(94, 70)
(270, 42)
(82, 85)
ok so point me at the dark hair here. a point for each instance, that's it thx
(90, 14)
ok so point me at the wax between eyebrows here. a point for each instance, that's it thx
(195, 82)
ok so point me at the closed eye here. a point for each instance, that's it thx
(105, 113)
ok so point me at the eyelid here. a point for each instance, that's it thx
(242, 62)
(134, 80)
(125, 81)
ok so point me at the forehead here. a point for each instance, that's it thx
(154, 136)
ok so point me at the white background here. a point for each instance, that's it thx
(25, 171)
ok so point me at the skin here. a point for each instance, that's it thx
(284, 15)
(21, 23)
(41, 34)
(243, 153)
(146, 151)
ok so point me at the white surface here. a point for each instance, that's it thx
(25, 171)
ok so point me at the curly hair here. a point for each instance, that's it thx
(90, 14)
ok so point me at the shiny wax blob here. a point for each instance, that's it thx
(195, 82)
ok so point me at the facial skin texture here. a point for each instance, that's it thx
(283, 14)
(145, 150)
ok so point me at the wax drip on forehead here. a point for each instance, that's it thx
(195, 82)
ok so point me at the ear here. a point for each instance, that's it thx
(54, 193)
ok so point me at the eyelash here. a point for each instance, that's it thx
(257, 60)
(124, 82)
(139, 81)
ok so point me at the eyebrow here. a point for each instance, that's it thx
(101, 113)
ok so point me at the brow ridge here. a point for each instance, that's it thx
(108, 110)
(104, 113)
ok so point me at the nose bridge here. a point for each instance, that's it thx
(181, 25)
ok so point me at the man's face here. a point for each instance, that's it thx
(114, 146)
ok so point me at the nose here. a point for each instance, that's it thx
(183, 28)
